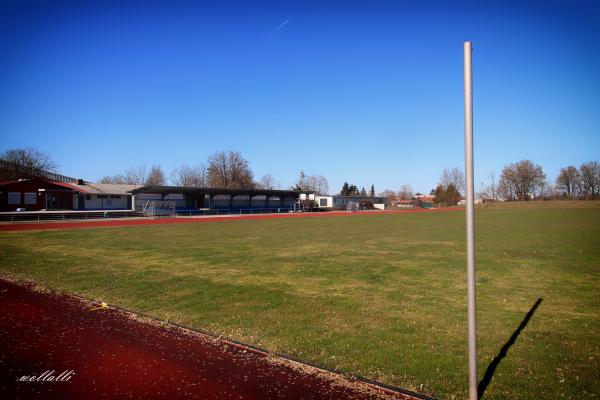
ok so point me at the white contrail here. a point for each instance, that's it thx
(278, 28)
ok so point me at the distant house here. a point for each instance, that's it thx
(341, 202)
(425, 198)
(399, 203)
(43, 194)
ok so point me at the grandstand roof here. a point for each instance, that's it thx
(212, 191)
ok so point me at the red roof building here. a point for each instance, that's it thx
(38, 194)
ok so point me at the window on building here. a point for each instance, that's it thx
(88, 197)
(14, 197)
(323, 202)
(102, 196)
(30, 198)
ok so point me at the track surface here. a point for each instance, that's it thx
(115, 356)
(187, 220)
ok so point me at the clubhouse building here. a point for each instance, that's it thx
(42, 194)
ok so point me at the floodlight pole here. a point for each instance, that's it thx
(472, 321)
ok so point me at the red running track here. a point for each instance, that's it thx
(112, 355)
(186, 220)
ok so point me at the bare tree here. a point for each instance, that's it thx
(491, 191)
(187, 176)
(24, 163)
(389, 195)
(301, 184)
(590, 178)
(136, 176)
(156, 176)
(386, 193)
(114, 179)
(267, 182)
(405, 192)
(520, 181)
(452, 176)
(229, 170)
(568, 181)
(550, 191)
(311, 183)
(317, 184)
(132, 176)
(544, 189)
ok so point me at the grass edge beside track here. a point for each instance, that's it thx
(165, 324)
(15, 227)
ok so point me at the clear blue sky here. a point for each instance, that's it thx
(365, 92)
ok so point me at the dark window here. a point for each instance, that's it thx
(30, 198)
(14, 198)
(88, 197)
(323, 202)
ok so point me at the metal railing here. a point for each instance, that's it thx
(235, 211)
(28, 217)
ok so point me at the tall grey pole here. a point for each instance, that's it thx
(472, 324)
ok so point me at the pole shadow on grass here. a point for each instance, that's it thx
(489, 373)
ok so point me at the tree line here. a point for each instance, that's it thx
(228, 170)
(523, 180)
(520, 181)
(526, 180)
(24, 163)
(350, 189)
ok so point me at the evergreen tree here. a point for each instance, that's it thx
(345, 188)
(439, 194)
(372, 191)
(449, 195)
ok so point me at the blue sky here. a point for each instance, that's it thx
(365, 92)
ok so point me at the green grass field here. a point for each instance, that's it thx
(383, 296)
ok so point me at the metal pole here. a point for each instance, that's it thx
(472, 324)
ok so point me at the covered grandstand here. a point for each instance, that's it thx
(233, 200)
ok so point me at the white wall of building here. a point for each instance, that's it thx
(105, 202)
(324, 201)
